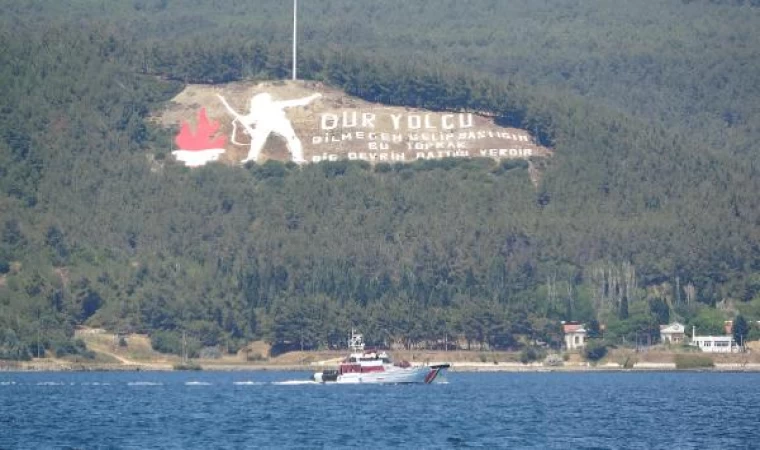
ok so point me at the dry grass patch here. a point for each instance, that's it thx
(138, 348)
(693, 361)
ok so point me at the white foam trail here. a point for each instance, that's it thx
(7, 383)
(293, 382)
(248, 383)
(197, 383)
(144, 383)
(50, 383)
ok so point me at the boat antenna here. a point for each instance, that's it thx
(356, 341)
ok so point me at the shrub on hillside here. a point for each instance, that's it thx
(531, 354)
(629, 362)
(5, 266)
(693, 361)
(187, 366)
(11, 347)
(554, 360)
(69, 347)
(166, 342)
(171, 342)
(595, 350)
(255, 357)
(210, 353)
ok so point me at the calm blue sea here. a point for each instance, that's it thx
(183, 410)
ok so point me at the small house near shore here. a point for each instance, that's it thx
(673, 333)
(575, 335)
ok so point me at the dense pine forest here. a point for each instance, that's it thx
(647, 213)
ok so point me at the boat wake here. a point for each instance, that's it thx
(293, 383)
(187, 383)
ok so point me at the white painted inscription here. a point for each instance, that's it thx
(426, 136)
(367, 133)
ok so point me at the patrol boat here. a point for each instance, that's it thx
(374, 367)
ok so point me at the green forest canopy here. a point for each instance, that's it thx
(646, 213)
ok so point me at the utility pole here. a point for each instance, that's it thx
(184, 346)
(295, 39)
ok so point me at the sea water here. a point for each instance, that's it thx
(189, 410)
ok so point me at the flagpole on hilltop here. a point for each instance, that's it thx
(295, 39)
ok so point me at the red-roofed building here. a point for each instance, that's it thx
(575, 335)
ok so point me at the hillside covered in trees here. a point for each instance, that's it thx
(647, 212)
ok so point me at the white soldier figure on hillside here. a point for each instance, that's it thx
(267, 116)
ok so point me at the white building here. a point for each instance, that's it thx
(714, 344)
(575, 335)
(672, 334)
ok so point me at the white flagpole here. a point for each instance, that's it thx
(295, 38)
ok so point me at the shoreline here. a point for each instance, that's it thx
(461, 367)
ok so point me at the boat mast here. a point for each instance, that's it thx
(355, 341)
